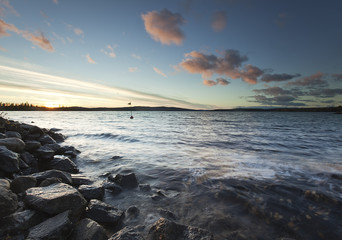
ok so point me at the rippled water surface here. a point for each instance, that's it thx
(195, 158)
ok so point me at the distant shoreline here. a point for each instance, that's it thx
(144, 108)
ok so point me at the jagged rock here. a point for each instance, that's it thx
(9, 161)
(126, 233)
(8, 201)
(57, 227)
(56, 198)
(64, 176)
(32, 145)
(104, 213)
(45, 153)
(20, 221)
(13, 144)
(112, 187)
(88, 229)
(22, 183)
(169, 230)
(46, 139)
(79, 179)
(91, 191)
(13, 134)
(58, 137)
(50, 181)
(125, 181)
(63, 163)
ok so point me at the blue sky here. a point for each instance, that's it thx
(194, 54)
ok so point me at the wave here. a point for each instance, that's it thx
(106, 136)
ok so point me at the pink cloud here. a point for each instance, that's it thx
(110, 53)
(219, 21)
(133, 69)
(314, 79)
(209, 83)
(219, 81)
(90, 60)
(7, 6)
(159, 72)
(164, 26)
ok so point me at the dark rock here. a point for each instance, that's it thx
(29, 159)
(116, 157)
(9, 161)
(53, 146)
(63, 163)
(79, 179)
(32, 145)
(91, 191)
(45, 153)
(58, 137)
(5, 183)
(64, 176)
(58, 227)
(13, 134)
(2, 135)
(50, 181)
(22, 164)
(13, 144)
(132, 211)
(8, 202)
(167, 214)
(158, 196)
(56, 198)
(21, 221)
(169, 230)
(22, 183)
(104, 213)
(126, 233)
(35, 130)
(46, 139)
(112, 187)
(126, 181)
(68, 151)
(88, 229)
(145, 187)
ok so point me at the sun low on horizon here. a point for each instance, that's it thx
(189, 54)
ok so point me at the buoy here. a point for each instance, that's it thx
(131, 117)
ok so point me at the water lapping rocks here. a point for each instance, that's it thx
(43, 196)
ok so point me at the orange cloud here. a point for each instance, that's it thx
(219, 21)
(164, 27)
(110, 53)
(219, 81)
(159, 72)
(133, 69)
(7, 6)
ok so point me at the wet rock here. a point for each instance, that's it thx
(32, 145)
(35, 130)
(64, 176)
(20, 221)
(104, 213)
(2, 135)
(46, 139)
(145, 187)
(68, 151)
(79, 179)
(125, 181)
(29, 159)
(9, 161)
(22, 164)
(50, 181)
(13, 144)
(159, 195)
(58, 227)
(167, 214)
(56, 198)
(169, 230)
(45, 153)
(63, 163)
(132, 211)
(5, 183)
(91, 191)
(53, 146)
(13, 134)
(88, 229)
(22, 183)
(58, 137)
(127, 233)
(112, 187)
(8, 201)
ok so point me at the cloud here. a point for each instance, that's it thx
(228, 65)
(219, 21)
(164, 26)
(273, 91)
(90, 60)
(77, 31)
(110, 53)
(38, 39)
(55, 2)
(277, 101)
(159, 72)
(6, 6)
(326, 92)
(136, 56)
(312, 80)
(219, 81)
(337, 77)
(133, 69)
(278, 77)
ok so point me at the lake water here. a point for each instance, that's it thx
(241, 175)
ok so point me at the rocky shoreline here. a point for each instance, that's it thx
(43, 195)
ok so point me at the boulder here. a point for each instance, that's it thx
(50, 181)
(32, 145)
(132, 212)
(9, 161)
(56, 198)
(113, 188)
(2, 135)
(53, 146)
(125, 181)
(58, 227)
(88, 229)
(35, 130)
(91, 191)
(20, 221)
(64, 176)
(79, 179)
(5, 183)
(169, 230)
(45, 153)
(13, 134)
(126, 233)
(62, 163)
(46, 139)
(58, 137)
(8, 201)
(29, 159)
(145, 187)
(13, 144)
(104, 213)
(68, 151)
(22, 183)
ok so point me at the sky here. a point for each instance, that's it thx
(183, 53)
